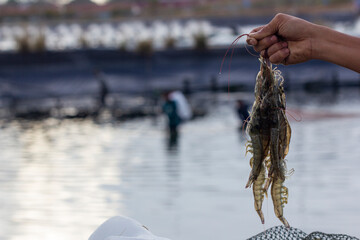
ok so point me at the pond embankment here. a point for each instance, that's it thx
(77, 75)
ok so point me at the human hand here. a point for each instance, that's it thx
(285, 39)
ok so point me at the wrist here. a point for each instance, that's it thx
(320, 44)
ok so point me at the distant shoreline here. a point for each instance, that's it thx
(132, 72)
(334, 12)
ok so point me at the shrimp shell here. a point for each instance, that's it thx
(270, 134)
(279, 195)
(259, 191)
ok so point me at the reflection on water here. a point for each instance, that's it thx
(172, 139)
(61, 179)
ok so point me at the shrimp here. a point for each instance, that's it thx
(279, 195)
(258, 143)
(270, 134)
(258, 192)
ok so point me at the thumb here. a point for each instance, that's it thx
(270, 29)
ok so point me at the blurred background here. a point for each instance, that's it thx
(118, 108)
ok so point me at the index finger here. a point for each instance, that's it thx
(269, 29)
(257, 29)
(253, 41)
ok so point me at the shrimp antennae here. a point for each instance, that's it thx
(245, 122)
(232, 53)
(289, 113)
(234, 42)
(232, 45)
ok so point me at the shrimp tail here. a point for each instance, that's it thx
(279, 195)
(259, 191)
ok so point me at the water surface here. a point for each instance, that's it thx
(60, 179)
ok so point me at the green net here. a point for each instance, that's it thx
(281, 232)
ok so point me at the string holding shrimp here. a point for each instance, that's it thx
(270, 134)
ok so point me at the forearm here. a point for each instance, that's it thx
(332, 46)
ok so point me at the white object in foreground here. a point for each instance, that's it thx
(123, 228)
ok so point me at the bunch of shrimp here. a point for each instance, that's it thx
(270, 133)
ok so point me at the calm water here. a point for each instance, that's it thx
(61, 179)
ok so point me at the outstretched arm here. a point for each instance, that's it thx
(290, 40)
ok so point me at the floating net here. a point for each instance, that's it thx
(281, 232)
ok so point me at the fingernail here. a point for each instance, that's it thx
(286, 50)
(252, 42)
(284, 44)
(262, 53)
(273, 38)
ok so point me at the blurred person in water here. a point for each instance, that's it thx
(177, 108)
(178, 111)
(242, 112)
(290, 40)
(170, 108)
(103, 88)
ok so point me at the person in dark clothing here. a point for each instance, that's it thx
(103, 89)
(243, 113)
(174, 120)
(170, 109)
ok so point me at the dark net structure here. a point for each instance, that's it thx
(281, 232)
